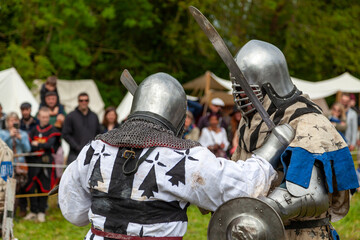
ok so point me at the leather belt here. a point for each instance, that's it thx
(308, 224)
(126, 237)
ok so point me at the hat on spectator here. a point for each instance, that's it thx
(218, 102)
(50, 94)
(25, 105)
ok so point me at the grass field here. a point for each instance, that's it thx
(348, 227)
(57, 228)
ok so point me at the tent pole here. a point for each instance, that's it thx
(207, 91)
(338, 96)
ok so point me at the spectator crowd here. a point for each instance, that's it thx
(36, 144)
(37, 139)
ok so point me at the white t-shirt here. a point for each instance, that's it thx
(209, 138)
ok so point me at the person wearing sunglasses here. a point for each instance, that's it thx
(80, 126)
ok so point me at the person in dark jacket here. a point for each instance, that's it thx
(80, 126)
(27, 122)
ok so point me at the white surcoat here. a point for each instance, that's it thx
(168, 177)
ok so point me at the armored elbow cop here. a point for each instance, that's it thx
(275, 145)
(295, 202)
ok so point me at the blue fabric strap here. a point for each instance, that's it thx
(298, 164)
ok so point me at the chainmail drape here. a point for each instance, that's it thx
(140, 133)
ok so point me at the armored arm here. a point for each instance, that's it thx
(295, 202)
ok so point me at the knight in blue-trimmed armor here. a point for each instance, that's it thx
(136, 182)
(317, 171)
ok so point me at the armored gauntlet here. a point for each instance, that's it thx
(279, 139)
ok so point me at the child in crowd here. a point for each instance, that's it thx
(49, 86)
(338, 118)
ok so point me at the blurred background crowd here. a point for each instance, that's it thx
(38, 139)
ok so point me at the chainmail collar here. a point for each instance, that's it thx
(141, 133)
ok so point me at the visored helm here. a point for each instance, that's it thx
(265, 69)
(160, 98)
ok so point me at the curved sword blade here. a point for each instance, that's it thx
(228, 59)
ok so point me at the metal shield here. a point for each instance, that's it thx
(246, 218)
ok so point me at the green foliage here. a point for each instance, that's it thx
(323, 39)
(20, 58)
(98, 39)
(43, 67)
(108, 13)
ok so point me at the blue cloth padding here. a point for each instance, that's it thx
(334, 234)
(298, 164)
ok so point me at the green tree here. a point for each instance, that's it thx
(323, 39)
(98, 39)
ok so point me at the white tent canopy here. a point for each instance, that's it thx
(69, 90)
(123, 110)
(13, 92)
(344, 83)
(223, 82)
(211, 86)
(316, 90)
(215, 83)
